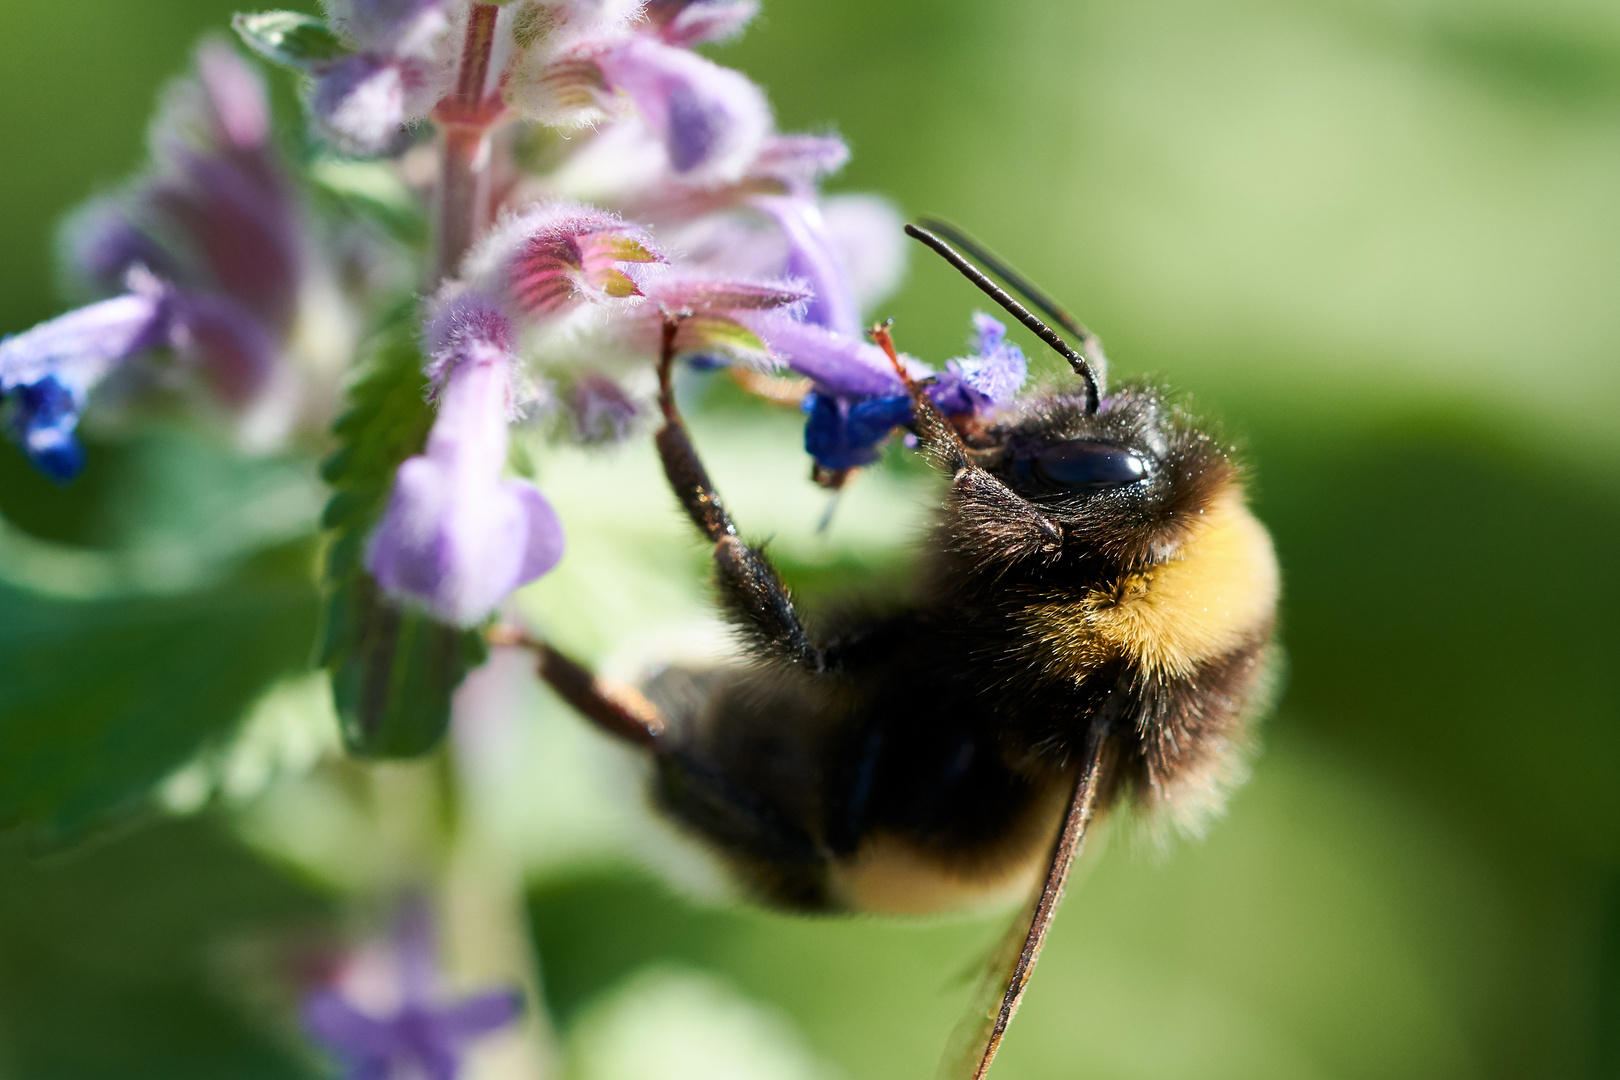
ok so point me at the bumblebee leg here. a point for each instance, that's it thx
(752, 592)
(621, 711)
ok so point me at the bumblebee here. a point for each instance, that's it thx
(1091, 629)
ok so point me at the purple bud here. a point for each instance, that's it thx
(457, 537)
(402, 27)
(997, 367)
(241, 112)
(711, 119)
(232, 349)
(557, 256)
(693, 22)
(603, 412)
(361, 103)
(218, 202)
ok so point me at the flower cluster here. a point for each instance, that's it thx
(665, 192)
(205, 256)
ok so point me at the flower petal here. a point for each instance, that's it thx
(798, 161)
(711, 119)
(556, 256)
(866, 234)
(693, 22)
(811, 256)
(403, 27)
(44, 420)
(80, 347)
(844, 433)
(998, 368)
(481, 1013)
(237, 96)
(711, 294)
(234, 351)
(839, 365)
(337, 1025)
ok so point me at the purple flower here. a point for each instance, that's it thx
(420, 1035)
(213, 230)
(857, 399)
(457, 537)
(46, 374)
(711, 120)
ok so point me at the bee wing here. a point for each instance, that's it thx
(1002, 988)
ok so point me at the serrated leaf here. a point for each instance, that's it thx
(101, 699)
(290, 38)
(393, 668)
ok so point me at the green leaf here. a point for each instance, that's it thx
(164, 945)
(101, 699)
(374, 190)
(393, 668)
(290, 38)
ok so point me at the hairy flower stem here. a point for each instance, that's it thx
(465, 117)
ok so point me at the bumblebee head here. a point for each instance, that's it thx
(1123, 478)
(1127, 483)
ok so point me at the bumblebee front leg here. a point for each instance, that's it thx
(750, 589)
(621, 711)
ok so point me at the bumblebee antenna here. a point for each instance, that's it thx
(1089, 345)
(1082, 367)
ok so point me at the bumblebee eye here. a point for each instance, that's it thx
(1083, 464)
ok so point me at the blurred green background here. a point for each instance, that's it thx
(1382, 241)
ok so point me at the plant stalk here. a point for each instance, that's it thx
(465, 117)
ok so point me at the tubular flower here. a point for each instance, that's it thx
(457, 537)
(711, 120)
(558, 256)
(46, 374)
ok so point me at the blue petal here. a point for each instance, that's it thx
(997, 369)
(44, 416)
(843, 434)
